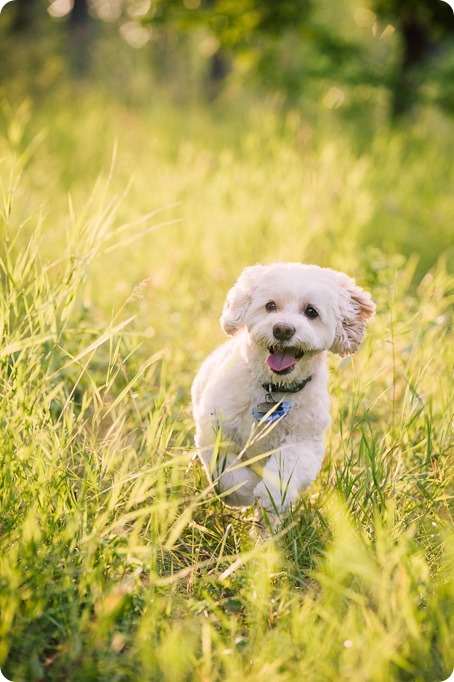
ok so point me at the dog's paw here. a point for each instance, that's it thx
(269, 498)
(265, 524)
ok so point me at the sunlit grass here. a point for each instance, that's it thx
(117, 561)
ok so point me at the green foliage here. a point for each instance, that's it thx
(233, 23)
(286, 46)
(117, 561)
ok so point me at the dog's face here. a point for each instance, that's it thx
(292, 311)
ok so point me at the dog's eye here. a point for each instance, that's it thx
(271, 306)
(310, 312)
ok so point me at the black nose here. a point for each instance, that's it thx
(283, 331)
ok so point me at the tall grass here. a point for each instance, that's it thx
(117, 561)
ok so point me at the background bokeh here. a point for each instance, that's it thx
(342, 111)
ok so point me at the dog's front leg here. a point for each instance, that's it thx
(233, 480)
(287, 472)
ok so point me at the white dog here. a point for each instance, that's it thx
(260, 400)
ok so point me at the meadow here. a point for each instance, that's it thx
(123, 225)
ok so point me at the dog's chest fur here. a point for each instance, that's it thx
(234, 365)
(306, 419)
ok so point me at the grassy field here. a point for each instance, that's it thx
(122, 230)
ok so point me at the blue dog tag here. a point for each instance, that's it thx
(282, 410)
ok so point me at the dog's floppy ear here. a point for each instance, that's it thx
(239, 298)
(356, 308)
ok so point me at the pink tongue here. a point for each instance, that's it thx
(281, 360)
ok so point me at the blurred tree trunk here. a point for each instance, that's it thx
(422, 26)
(80, 16)
(25, 11)
(218, 70)
(416, 46)
(81, 37)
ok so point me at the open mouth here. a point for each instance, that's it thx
(283, 360)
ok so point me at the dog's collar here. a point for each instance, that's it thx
(271, 410)
(295, 387)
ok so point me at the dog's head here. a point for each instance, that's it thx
(293, 310)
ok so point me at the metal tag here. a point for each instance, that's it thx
(261, 410)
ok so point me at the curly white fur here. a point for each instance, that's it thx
(271, 463)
